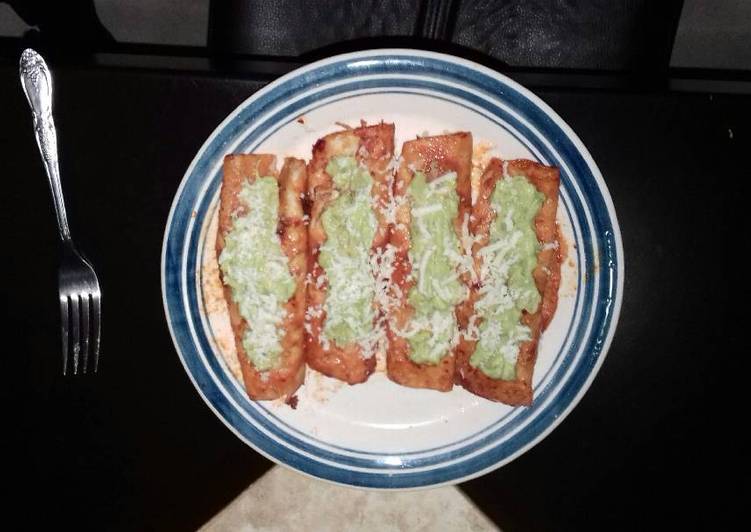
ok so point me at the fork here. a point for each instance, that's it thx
(80, 295)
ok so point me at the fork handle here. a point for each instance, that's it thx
(37, 85)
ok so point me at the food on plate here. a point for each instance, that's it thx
(261, 247)
(349, 184)
(433, 200)
(518, 263)
(360, 254)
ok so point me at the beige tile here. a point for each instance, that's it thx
(285, 500)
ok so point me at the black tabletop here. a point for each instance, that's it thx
(135, 447)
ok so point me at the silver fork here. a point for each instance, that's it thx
(80, 296)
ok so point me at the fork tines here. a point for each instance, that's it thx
(80, 316)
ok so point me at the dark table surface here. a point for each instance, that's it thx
(136, 447)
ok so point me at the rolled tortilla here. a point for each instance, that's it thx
(284, 379)
(434, 157)
(373, 149)
(547, 276)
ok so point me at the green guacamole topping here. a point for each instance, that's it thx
(433, 254)
(350, 226)
(507, 285)
(257, 270)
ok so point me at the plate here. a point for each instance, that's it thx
(379, 434)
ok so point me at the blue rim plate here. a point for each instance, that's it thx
(379, 435)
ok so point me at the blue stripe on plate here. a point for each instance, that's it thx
(257, 134)
(248, 145)
(219, 391)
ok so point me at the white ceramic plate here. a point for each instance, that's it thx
(379, 434)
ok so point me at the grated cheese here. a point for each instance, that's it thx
(424, 211)
(507, 287)
(257, 270)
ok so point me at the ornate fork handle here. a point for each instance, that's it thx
(37, 85)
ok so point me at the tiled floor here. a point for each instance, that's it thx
(285, 500)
